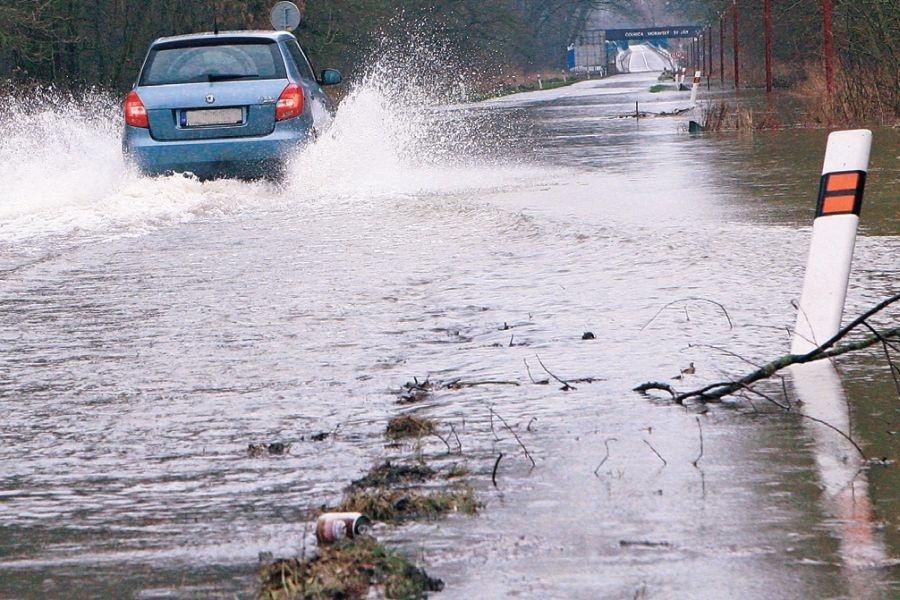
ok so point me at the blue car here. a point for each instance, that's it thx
(230, 104)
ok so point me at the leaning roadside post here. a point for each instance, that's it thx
(695, 88)
(839, 461)
(833, 238)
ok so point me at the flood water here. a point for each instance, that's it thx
(150, 329)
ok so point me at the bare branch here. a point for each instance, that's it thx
(659, 312)
(665, 464)
(697, 460)
(566, 386)
(605, 458)
(515, 435)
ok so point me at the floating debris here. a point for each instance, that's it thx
(643, 544)
(333, 526)
(266, 450)
(415, 391)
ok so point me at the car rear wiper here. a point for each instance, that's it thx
(229, 76)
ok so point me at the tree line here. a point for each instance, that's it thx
(866, 51)
(102, 42)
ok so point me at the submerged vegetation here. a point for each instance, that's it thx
(348, 569)
(409, 426)
(390, 493)
(730, 116)
(394, 506)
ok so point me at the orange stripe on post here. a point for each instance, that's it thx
(841, 182)
(838, 204)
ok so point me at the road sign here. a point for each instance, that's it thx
(681, 31)
(285, 16)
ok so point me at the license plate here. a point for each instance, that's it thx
(212, 116)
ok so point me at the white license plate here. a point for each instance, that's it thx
(213, 116)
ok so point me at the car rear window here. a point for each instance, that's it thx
(212, 61)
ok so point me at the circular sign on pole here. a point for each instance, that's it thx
(285, 16)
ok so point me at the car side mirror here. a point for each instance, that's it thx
(330, 77)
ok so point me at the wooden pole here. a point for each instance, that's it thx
(737, 46)
(828, 45)
(722, 49)
(767, 17)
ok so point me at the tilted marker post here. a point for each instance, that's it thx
(842, 476)
(696, 87)
(833, 238)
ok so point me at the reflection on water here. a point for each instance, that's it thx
(845, 493)
(148, 338)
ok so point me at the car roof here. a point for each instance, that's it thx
(207, 36)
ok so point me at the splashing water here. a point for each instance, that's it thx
(65, 178)
(56, 154)
(64, 175)
(385, 141)
(401, 130)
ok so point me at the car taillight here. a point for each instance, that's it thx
(290, 103)
(135, 113)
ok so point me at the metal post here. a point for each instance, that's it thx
(828, 45)
(767, 17)
(737, 46)
(606, 56)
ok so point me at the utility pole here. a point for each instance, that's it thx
(737, 45)
(828, 45)
(722, 49)
(767, 17)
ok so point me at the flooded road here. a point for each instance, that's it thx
(151, 329)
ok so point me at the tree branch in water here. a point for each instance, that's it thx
(829, 349)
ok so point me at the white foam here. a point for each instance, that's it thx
(63, 174)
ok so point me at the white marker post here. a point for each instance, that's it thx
(696, 87)
(833, 239)
(817, 384)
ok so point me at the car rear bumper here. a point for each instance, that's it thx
(246, 158)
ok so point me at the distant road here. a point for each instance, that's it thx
(641, 58)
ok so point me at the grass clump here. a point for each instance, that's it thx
(393, 506)
(457, 471)
(388, 475)
(350, 569)
(659, 88)
(409, 426)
